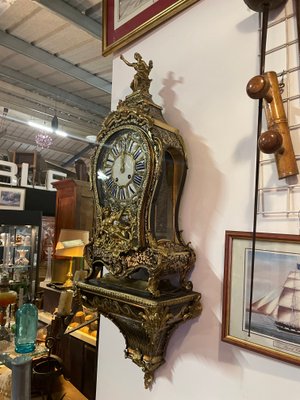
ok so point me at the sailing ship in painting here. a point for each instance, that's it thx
(283, 306)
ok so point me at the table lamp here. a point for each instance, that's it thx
(71, 243)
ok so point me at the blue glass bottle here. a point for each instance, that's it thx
(26, 328)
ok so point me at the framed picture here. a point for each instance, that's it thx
(272, 327)
(124, 21)
(47, 238)
(12, 198)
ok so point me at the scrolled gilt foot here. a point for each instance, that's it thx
(185, 284)
(188, 285)
(148, 379)
(152, 286)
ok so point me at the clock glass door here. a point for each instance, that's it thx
(122, 168)
(165, 204)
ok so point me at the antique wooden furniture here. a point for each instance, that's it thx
(74, 206)
(36, 166)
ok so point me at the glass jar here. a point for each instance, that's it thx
(26, 328)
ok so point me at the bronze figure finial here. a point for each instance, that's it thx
(141, 79)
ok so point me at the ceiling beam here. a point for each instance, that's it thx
(42, 56)
(78, 155)
(70, 136)
(17, 139)
(25, 106)
(72, 15)
(55, 92)
(46, 106)
(95, 9)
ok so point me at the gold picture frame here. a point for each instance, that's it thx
(274, 329)
(123, 23)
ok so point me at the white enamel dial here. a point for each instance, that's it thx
(123, 166)
(123, 169)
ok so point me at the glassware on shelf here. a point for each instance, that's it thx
(7, 297)
(27, 240)
(22, 260)
(49, 253)
(6, 240)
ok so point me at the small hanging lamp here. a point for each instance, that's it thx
(54, 123)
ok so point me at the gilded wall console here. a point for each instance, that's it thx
(137, 176)
(145, 322)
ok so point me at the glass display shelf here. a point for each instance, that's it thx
(16, 369)
(19, 250)
(9, 357)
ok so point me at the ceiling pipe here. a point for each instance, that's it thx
(70, 136)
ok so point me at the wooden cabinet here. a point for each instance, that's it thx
(75, 210)
(80, 362)
(79, 353)
(74, 206)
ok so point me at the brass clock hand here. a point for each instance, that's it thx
(122, 166)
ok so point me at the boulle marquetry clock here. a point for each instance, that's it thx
(137, 177)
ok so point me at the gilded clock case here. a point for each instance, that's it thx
(142, 232)
(139, 261)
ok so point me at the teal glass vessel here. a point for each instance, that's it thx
(26, 328)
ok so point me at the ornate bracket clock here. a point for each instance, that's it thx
(137, 176)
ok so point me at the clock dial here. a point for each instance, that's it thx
(122, 166)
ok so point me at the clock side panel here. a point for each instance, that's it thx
(163, 222)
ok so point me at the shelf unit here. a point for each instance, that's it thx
(20, 249)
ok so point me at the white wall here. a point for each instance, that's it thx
(203, 59)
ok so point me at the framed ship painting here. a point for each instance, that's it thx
(271, 325)
(125, 21)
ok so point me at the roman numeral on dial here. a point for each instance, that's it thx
(137, 153)
(131, 189)
(109, 161)
(122, 194)
(108, 172)
(140, 165)
(109, 182)
(137, 179)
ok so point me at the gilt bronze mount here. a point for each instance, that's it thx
(145, 322)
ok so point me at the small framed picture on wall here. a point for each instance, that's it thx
(261, 306)
(12, 198)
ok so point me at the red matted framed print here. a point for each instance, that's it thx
(126, 20)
